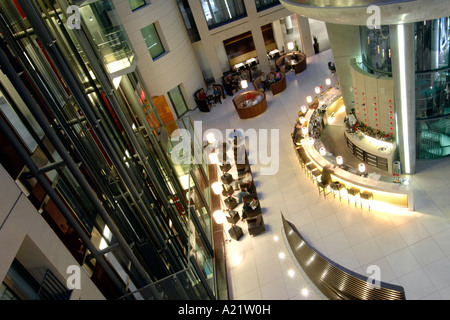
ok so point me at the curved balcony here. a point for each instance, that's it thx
(354, 12)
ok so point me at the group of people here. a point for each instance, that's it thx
(215, 97)
(268, 79)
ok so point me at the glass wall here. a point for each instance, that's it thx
(376, 50)
(109, 36)
(432, 39)
(115, 143)
(265, 4)
(219, 12)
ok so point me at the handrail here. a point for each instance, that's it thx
(335, 281)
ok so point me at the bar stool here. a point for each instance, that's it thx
(352, 192)
(310, 167)
(336, 187)
(323, 188)
(315, 174)
(367, 196)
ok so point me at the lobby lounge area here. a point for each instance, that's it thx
(409, 246)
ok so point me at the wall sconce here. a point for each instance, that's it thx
(317, 90)
(219, 216)
(309, 99)
(362, 167)
(322, 151)
(211, 138)
(290, 46)
(327, 81)
(304, 109)
(244, 84)
(217, 187)
(339, 160)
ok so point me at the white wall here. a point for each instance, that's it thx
(179, 64)
(22, 229)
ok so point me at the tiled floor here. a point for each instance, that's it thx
(411, 248)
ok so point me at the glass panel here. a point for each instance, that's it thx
(136, 4)
(177, 99)
(183, 285)
(265, 4)
(433, 138)
(376, 50)
(432, 44)
(218, 12)
(109, 36)
(432, 94)
(153, 41)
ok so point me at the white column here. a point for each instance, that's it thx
(208, 45)
(403, 72)
(278, 34)
(288, 24)
(305, 35)
(257, 35)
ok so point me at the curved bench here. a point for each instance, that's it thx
(276, 87)
(299, 66)
(255, 108)
(335, 281)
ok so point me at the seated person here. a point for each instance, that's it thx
(246, 191)
(250, 206)
(278, 76)
(264, 81)
(326, 175)
(331, 66)
(217, 94)
(270, 78)
(202, 94)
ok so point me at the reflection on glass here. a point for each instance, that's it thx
(153, 41)
(376, 50)
(432, 44)
(218, 12)
(264, 4)
(433, 138)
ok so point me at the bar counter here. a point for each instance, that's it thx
(385, 194)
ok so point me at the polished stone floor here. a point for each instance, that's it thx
(412, 248)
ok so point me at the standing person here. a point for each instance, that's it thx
(297, 135)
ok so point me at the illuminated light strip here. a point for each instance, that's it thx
(376, 204)
(404, 99)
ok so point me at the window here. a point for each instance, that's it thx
(265, 4)
(136, 4)
(176, 97)
(153, 41)
(219, 12)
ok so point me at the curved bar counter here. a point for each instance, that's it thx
(385, 194)
(247, 107)
(332, 279)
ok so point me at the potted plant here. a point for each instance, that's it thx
(316, 45)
